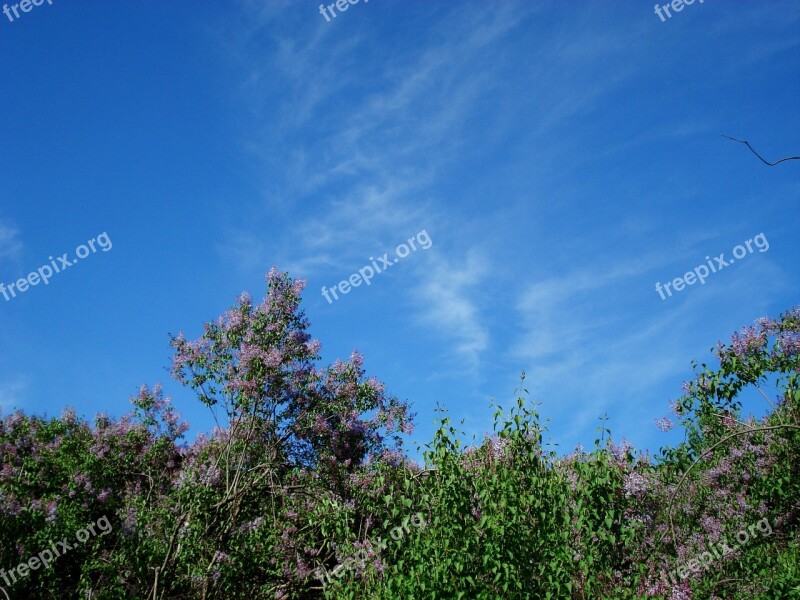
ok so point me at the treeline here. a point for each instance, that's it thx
(303, 491)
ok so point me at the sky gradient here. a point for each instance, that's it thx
(562, 157)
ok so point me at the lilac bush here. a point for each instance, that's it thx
(305, 469)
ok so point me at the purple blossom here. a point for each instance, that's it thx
(675, 408)
(748, 340)
(51, 513)
(635, 484)
(664, 424)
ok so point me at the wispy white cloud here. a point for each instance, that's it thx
(447, 295)
(379, 153)
(10, 244)
(577, 340)
(11, 393)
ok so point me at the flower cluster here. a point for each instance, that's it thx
(305, 469)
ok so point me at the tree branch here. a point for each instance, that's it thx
(699, 458)
(769, 164)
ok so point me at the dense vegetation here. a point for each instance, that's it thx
(306, 472)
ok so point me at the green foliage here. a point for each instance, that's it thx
(299, 488)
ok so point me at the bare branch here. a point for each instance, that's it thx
(774, 410)
(769, 164)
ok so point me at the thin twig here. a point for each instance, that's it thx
(774, 410)
(769, 164)
(726, 581)
(727, 416)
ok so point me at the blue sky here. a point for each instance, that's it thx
(563, 158)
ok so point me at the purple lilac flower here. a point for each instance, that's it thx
(664, 424)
